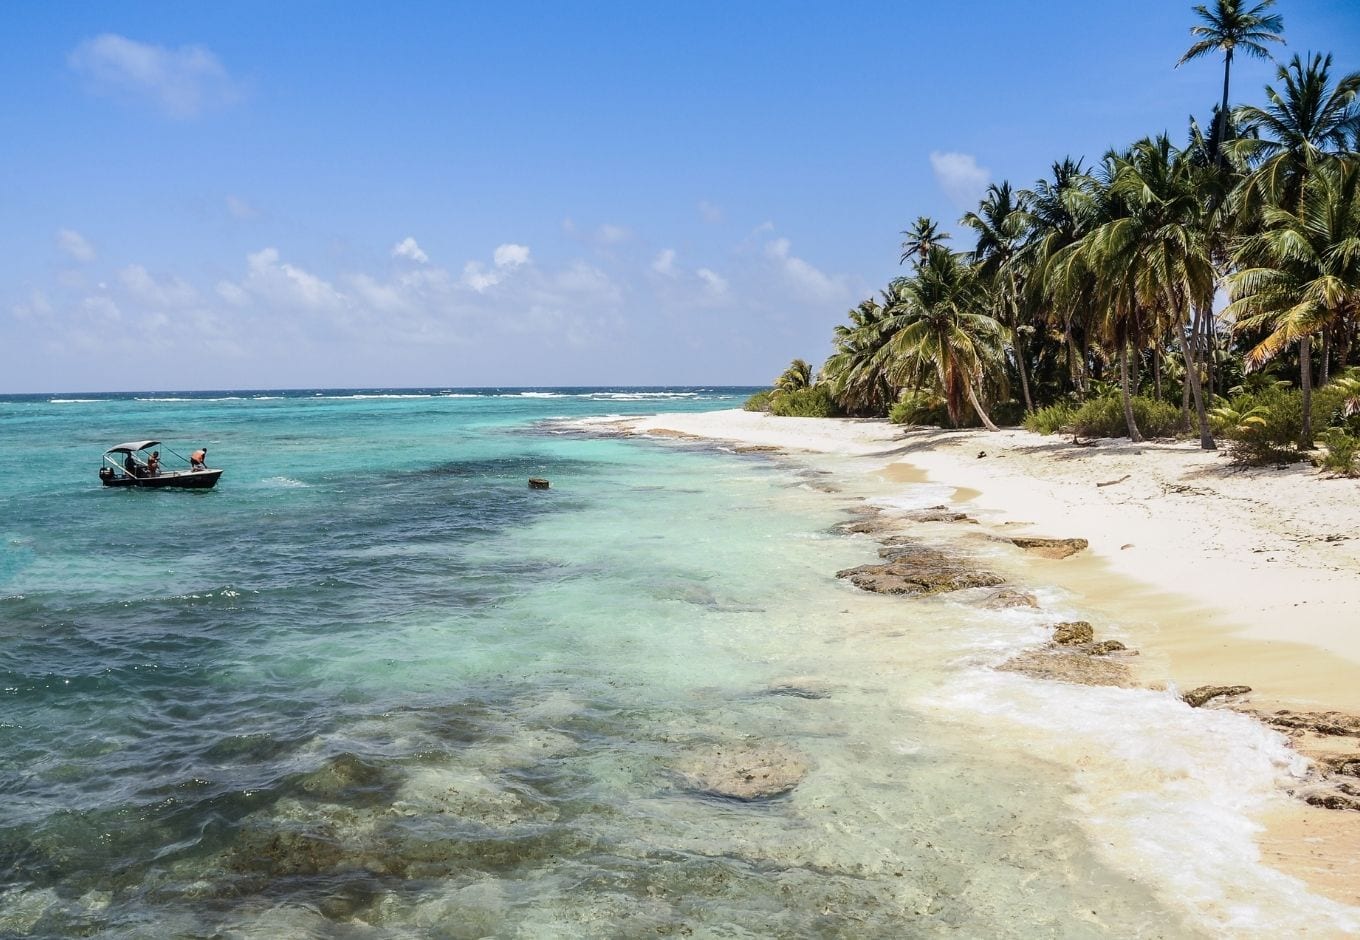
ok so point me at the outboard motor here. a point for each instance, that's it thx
(105, 474)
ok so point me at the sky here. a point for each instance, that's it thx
(337, 194)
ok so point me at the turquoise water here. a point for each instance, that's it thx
(374, 686)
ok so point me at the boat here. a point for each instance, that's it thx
(130, 464)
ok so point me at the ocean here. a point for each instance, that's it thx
(373, 685)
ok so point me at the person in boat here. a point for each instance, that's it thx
(198, 459)
(130, 465)
(153, 465)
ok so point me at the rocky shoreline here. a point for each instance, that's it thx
(1330, 741)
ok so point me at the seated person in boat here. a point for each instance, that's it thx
(198, 459)
(153, 465)
(130, 466)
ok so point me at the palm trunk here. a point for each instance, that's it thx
(977, 406)
(1223, 108)
(1157, 370)
(1134, 435)
(1018, 346)
(1306, 382)
(1326, 356)
(1206, 437)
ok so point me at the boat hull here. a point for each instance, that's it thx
(177, 480)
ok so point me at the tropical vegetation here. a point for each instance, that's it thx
(1203, 284)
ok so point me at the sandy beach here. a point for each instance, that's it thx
(1220, 576)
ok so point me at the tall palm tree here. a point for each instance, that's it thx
(1226, 28)
(923, 235)
(1164, 242)
(1058, 219)
(1306, 124)
(944, 336)
(1301, 273)
(1001, 223)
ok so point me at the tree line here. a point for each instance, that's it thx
(1099, 281)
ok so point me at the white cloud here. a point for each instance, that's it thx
(802, 276)
(664, 262)
(181, 82)
(511, 256)
(715, 283)
(240, 209)
(146, 290)
(233, 294)
(709, 212)
(75, 245)
(283, 284)
(407, 248)
(962, 180)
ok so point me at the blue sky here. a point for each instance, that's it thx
(301, 194)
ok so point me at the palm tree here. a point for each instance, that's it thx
(1301, 273)
(1001, 223)
(1165, 242)
(944, 337)
(856, 371)
(1226, 28)
(1306, 125)
(1058, 219)
(923, 235)
(797, 376)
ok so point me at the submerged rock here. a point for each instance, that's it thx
(799, 687)
(1048, 548)
(1073, 633)
(1207, 693)
(1008, 597)
(912, 568)
(744, 772)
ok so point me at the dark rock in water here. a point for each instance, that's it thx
(1206, 693)
(745, 772)
(902, 576)
(1332, 799)
(869, 526)
(1070, 665)
(538, 483)
(799, 687)
(757, 449)
(1007, 597)
(1106, 647)
(1073, 633)
(347, 778)
(1049, 548)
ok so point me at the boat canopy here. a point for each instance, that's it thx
(131, 447)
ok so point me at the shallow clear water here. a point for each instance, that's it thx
(373, 685)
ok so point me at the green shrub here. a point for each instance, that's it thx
(1104, 417)
(1051, 419)
(918, 406)
(1342, 449)
(812, 402)
(760, 401)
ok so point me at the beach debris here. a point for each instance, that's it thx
(1009, 597)
(1206, 693)
(912, 568)
(1048, 548)
(538, 483)
(981, 454)
(745, 772)
(1113, 482)
(1073, 633)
